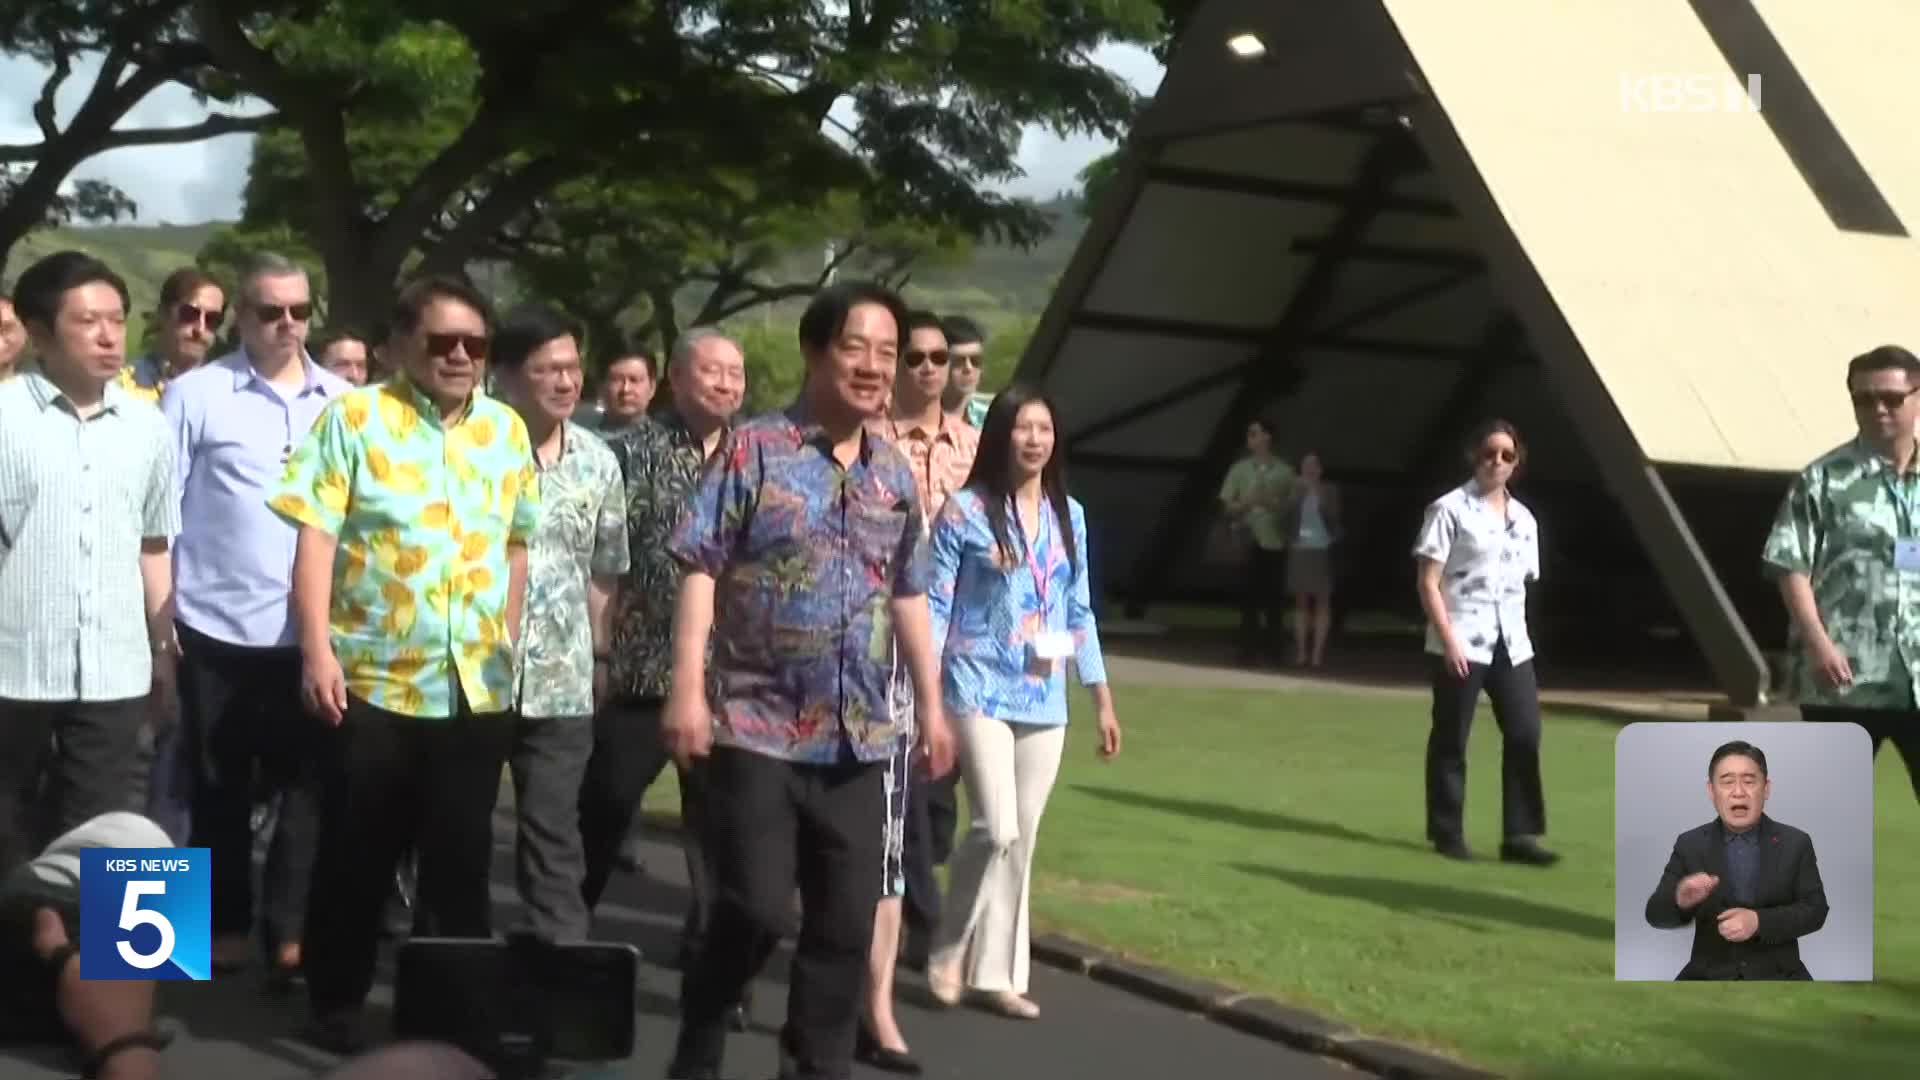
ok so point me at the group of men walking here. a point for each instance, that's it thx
(362, 602)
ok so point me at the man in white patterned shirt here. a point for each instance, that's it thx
(86, 513)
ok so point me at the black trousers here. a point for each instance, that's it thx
(1902, 726)
(62, 764)
(1266, 594)
(390, 782)
(772, 824)
(932, 813)
(1516, 708)
(628, 755)
(250, 739)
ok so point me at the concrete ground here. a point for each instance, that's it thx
(1088, 1028)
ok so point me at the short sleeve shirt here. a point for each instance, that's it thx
(424, 512)
(1486, 563)
(807, 555)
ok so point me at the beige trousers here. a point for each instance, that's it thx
(1009, 771)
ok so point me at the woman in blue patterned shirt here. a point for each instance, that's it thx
(1010, 604)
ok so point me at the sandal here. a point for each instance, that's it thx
(137, 1040)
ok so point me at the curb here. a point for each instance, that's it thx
(1250, 1014)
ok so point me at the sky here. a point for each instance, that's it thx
(203, 181)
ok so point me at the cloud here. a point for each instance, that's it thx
(204, 181)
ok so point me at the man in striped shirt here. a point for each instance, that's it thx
(86, 512)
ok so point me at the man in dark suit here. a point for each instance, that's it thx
(1747, 883)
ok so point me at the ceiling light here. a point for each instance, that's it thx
(1247, 46)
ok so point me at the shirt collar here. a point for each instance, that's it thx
(241, 364)
(948, 428)
(401, 384)
(45, 393)
(1873, 461)
(811, 430)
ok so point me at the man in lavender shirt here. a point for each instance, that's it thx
(236, 421)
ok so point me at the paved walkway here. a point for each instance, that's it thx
(1088, 1029)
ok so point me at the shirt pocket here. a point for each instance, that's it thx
(878, 532)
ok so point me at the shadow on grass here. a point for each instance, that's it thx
(1877, 1041)
(1240, 816)
(1442, 901)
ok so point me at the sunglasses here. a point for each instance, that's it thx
(917, 357)
(1502, 455)
(1889, 399)
(967, 360)
(268, 314)
(190, 314)
(444, 344)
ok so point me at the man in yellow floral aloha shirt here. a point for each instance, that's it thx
(414, 499)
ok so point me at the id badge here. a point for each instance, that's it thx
(1906, 554)
(1053, 645)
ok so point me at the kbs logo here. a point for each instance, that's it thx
(146, 913)
(1689, 93)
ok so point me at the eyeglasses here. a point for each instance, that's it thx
(444, 344)
(268, 314)
(1888, 399)
(967, 360)
(190, 315)
(1502, 455)
(917, 357)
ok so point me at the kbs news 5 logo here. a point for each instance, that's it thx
(146, 913)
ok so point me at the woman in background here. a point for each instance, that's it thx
(1478, 550)
(1255, 497)
(1010, 604)
(1311, 525)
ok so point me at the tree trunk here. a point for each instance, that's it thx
(26, 209)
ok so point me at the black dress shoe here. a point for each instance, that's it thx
(1454, 848)
(868, 1051)
(1527, 853)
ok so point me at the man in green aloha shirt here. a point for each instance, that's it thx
(1845, 549)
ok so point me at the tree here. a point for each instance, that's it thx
(1096, 179)
(142, 45)
(911, 106)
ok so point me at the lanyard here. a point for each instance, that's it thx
(1897, 490)
(1043, 519)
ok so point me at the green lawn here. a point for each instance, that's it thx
(1273, 841)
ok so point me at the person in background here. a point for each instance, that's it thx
(1255, 495)
(965, 347)
(1478, 550)
(87, 513)
(1311, 526)
(941, 449)
(415, 500)
(1010, 603)
(626, 391)
(807, 523)
(661, 459)
(192, 307)
(345, 354)
(13, 338)
(246, 733)
(578, 551)
(43, 999)
(1845, 552)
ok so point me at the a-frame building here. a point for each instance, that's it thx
(1376, 222)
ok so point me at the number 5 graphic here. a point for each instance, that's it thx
(133, 916)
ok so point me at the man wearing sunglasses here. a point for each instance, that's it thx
(415, 500)
(965, 343)
(244, 733)
(192, 307)
(1845, 550)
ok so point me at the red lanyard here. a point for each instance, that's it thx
(1042, 519)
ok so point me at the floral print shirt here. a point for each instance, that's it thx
(1839, 524)
(1486, 564)
(423, 513)
(807, 555)
(582, 535)
(661, 462)
(988, 611)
